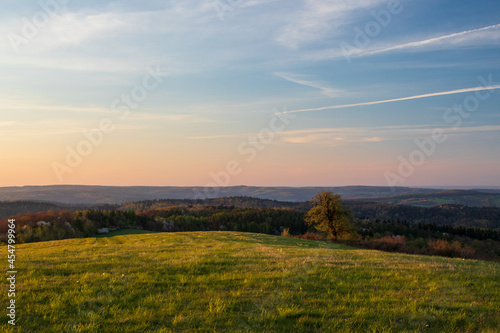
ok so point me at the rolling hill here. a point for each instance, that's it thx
(78, 194)
(241, 282)
(447, 214)
(472, 198)
(95, 195)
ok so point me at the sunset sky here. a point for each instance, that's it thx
(368, 92)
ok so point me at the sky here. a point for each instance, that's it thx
(250, 92)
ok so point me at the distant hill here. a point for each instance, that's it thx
(239, 202)
(20, 207)
(79, 194)
(11, 208)
(472, 198)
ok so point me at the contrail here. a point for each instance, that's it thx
(435, 40)
(452, 92)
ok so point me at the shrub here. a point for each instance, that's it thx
(418, 243)
(286, 233)
(312, 236)
(390, 243)
(455, 249)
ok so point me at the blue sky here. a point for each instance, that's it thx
(226, 69)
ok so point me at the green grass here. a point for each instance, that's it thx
(240, 282)
(122, 232)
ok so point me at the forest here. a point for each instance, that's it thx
(449, 230)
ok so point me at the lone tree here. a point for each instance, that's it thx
(328, 215)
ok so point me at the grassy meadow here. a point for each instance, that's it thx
(242, 282)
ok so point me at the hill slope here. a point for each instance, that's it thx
(454, 197)
(228, 281)
(19, 207)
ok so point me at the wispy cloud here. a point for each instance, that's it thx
(322, 86)
(337, 136)
(109, 40)
(17, 105)
(443, 93)
(219, 136)
(26, 106)
(329, 136)
(324, 136)
(185, 118)
(253, 3)
(369, 134)
(373, 139)
(318, 18)
(481, 36)
(42, 128)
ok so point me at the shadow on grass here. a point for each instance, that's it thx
(238, 237)
(124, 232)
(264, 239)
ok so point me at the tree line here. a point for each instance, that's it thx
(342, 224)
(455, 215)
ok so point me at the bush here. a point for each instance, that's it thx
(455, 249)
(390, 243)
(312, 236)
(286, 233)
(418, 243)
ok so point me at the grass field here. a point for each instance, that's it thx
(241, 282)
(122, 232)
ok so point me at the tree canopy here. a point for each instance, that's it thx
(329, 215)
